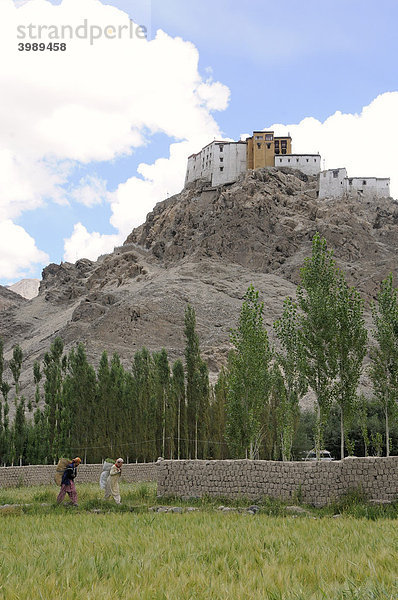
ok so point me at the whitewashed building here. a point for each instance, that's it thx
(334, 183)
(218, 163)
(310, 164)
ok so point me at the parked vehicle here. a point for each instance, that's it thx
(324, 455)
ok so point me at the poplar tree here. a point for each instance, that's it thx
(53, 369)
(289, 374)
(384, 357)
(316, 300)
(20, 432)
(163, 401)
(248, 379)
(178, 392)
(218, 416)
(15, 368)
(78, 415)
(197, 390)
(103, 410)
(116, 395)
(350, 340)
(146, 403)
(37, 378)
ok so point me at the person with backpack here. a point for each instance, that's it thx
(68, 484)
(112, 484)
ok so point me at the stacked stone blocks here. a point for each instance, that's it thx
(44, 474)
(312, 482)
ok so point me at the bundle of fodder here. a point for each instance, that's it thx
(59, 471)
(106, 467)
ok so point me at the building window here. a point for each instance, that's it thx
(221, 148)
(297, 159)
(258, 145)
(268, 146)
(284, 143)
(259, 137)
(307, 159)
(283, 150)
(314, 159)
(269, 137)
(364, 182)
(276, 150)
(221, 159)
(350, 181)
(335, 174)
(288, 160)
(221, 168)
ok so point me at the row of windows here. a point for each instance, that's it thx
(268, 137)
(297, 160)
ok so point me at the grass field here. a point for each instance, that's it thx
(127, 552)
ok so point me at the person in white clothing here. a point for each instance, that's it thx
(112, 484)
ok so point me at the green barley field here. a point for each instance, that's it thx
(101, 551)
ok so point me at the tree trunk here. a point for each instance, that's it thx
(178, 428)
(318, 432)
(196, 439)
(387, 434)
(164, 428)
(341, 433)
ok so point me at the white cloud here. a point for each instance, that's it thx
(91, 191)
(364, 143)
(83, 244)
(18, 252)
(93, 103)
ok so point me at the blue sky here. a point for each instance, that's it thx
(276, 62)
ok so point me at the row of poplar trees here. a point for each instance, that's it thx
(156, 409)
(153, 409)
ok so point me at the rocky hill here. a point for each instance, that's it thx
(204, 246)
(9, 299)
(27, 288)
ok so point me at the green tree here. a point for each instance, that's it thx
(197, 390)
(145, 406)
(20, 432)
(289, 374)
(218, 416)
(316, 300)
(53, 369)
(248, 379)
(350, 340)
(78, 414)
(15, 368)
(163, 400)
(37, 378)
(178, 391)
(384, 357)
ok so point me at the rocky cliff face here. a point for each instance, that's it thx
(9, 299)
(203, 246)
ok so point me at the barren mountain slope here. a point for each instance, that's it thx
(203, 246)
(9, 299)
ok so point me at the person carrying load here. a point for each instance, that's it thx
(67, 482)
(112, 484)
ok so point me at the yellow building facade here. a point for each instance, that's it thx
(262, 148)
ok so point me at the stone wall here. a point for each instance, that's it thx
(311, 482)
(316, 483)
(44, 474)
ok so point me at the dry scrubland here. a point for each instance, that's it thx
(51, 552)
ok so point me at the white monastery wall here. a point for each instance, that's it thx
(310, 164)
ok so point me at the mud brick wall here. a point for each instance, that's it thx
(316, 483)
(44, 474)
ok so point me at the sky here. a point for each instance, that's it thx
(92, 137)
